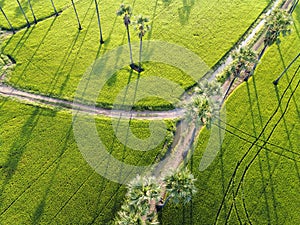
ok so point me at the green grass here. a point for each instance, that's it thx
(271, 187)
(44, 177)
(52, 56)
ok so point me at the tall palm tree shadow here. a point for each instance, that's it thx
(268, 161)
(40, 208)
(256, 131)
(36, 50)
(67, 76)
(288, 133)
(185, 11)
(62, 65)
(17, 150)
(288, 79)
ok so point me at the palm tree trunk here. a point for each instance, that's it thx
(160, 206)
(258, 59)
(34, 18)
(129, 44)
(99, 22)
(55, 11)
(293, 6)
(140, 56)
(11, 27)
(28, 24)
(79, 24)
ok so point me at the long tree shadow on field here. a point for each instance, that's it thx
(36, 50)
(288, 134)
(268, 162)
(256, 131)
(288, 79)
(21, 41)
(185, 11)
(62, 65)
(16, 152)
(111, 150)
(39, 211)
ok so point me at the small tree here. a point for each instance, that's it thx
(127, 216)
(180, 186)
(140, 193)
(204, 104)
(277, 23)
(136, 209)
(142, 26)
(21, 8)
(31, 9)
(126, 12)
(77, 17)
(242, 66)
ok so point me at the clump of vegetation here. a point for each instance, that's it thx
(6, 64)
(145, 192)
(203, 105)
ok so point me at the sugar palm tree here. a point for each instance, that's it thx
(11, 27)
(277, 23)
(126, 12)
(31, 9)
(127, 216)
(243, 62)
(141, 191)
(54, 8)
(22, 10)
(77, 17)
(198, 111)
(142, 26)
(181, 186)
(99, 22)
(136, 209)
(205, 103)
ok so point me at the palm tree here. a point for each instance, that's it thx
(55, 11)
(21, 8)
(126, 12)
(142, 26)
(243, 62)
(136, 209)
(181, 186)
(198, 111)
(77, 17)
(11, 27)
(128, 217)
(99, 22)
(30, 6)
(277, 23)
(141, 191)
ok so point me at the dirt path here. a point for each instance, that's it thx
(8, 91)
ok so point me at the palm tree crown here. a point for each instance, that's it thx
(277, 23)
(243, 63)
(141, 24)
(181, 186)
(126, 11)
